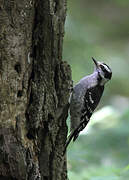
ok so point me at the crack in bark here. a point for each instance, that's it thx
(36, 91)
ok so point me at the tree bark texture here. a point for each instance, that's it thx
(34, 90)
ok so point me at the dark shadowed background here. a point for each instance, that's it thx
(101, 29)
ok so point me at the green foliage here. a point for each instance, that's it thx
(102, 153)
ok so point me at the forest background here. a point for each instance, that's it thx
(101, 29)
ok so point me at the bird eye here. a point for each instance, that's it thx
(102, 67)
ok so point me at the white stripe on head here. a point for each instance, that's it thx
(106, 67)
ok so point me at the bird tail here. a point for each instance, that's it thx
(74, 134)
(69, 139)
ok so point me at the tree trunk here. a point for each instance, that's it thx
(34, 90)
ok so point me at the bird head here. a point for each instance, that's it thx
(104, 71)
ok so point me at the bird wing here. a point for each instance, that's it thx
(81, 110)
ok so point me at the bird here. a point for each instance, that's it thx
(84, 98)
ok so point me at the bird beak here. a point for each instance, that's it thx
(96, 63)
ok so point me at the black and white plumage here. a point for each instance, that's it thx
(85, 97)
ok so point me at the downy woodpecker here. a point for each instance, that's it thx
(85, 97)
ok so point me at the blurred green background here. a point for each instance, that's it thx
(100, 28)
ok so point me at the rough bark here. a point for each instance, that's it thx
(34, 90)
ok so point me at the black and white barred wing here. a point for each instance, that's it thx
(81, 110)
(91, 100)
(86, 112)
